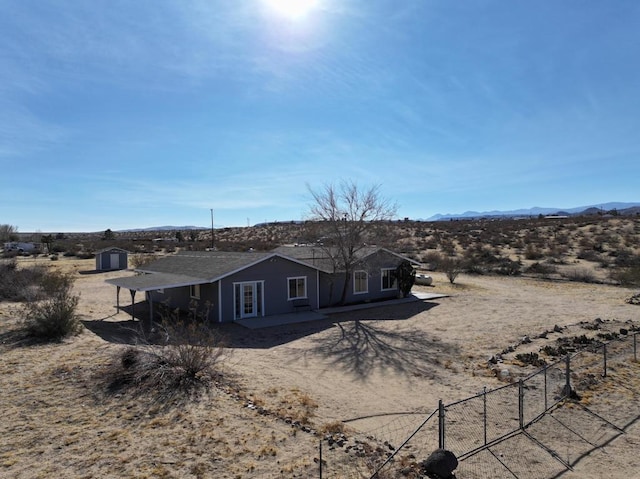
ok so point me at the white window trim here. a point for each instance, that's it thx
(382, 288)
(296, 278)
(194, 291)
(366, 282)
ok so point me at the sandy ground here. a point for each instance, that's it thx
(367, 364)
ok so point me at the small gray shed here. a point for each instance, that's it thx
(111, 259)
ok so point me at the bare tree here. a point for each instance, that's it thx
(8, 233)
(349, 217)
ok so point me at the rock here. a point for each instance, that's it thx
(525, 340)
(624, 331)
(557, 329)
(440, 462)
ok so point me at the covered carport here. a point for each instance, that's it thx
(149, 282)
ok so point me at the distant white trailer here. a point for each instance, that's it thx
(21, 247)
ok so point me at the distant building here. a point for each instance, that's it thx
(111, 259)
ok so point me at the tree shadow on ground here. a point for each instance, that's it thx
(369, 341)
(118, 332)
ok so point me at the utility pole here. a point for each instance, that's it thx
(212, 228)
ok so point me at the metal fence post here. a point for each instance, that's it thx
(484, 398)
(546, 401)
(635, 347)
(320, 461)
(567, 385)
(441, 435)
(604, 355)
(521, 403)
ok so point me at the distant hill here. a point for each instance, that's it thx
(620, 208)
(164, 228)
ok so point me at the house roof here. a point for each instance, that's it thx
(319, 256)
(193, 267)
(198, 267)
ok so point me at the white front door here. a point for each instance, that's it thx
(248, 300)
(115, 261)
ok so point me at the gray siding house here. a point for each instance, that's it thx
(111, 259)
(227, 286)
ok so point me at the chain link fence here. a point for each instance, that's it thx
(526, 429)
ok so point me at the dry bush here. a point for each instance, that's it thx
(52, 316)
(582, 275)
(626, 276)
(19, 284)
(452, 267)
(543, 269)
(140, 259)
(177, 360)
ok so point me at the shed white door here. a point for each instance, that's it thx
(115, 261)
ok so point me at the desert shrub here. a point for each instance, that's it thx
(432, 259)
(452, 267)
(542, 269)
(19, 284)
(531, 252)
(140, 259)
(588, 255)
(53, 316)
(178, 359)
(508, 267)
(626, 276)
(472, 266)
(626, 258)
(579, 274)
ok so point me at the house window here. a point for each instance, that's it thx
(297, 287)
(360, 283)
(194, 291)
(389, 279)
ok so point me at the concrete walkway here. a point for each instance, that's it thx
(304, 316)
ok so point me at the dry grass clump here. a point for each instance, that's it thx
(180, 359)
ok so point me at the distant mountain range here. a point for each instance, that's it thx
(164, 228)
(620, 208)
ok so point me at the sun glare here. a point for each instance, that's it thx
(293, 9)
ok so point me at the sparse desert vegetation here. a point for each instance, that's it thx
(108, 402)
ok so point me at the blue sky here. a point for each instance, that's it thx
(124, 114)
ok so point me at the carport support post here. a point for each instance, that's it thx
(150, 310)
(133, 303)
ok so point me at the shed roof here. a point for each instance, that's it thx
(112, 248)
